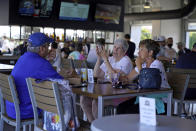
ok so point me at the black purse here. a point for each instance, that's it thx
(149, 78)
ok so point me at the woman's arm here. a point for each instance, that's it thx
(104, 56)
(97, 70)
(132, 75)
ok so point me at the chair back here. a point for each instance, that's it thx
(67, 64)
(45, 95)
(9, 93)
(78, 64)
(191, 72)
(179, 84)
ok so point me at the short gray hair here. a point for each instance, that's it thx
(30, 48)
(34, 49)
(122, 42)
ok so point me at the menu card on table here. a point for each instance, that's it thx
(90, 76)
(147, 111)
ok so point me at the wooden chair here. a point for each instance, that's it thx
(67, 64)
(46, 96)
(9, 93)
(79, 64)
(191, 84)
(179, 84)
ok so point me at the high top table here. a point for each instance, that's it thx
(131, 122)
(105, 91)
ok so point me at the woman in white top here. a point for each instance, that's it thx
(111, 65)
(148, 50)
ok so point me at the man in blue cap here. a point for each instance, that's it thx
(31, 64)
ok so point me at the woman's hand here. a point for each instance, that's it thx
(124, 79)
(139, 61)
(104, 54)
(98, 52)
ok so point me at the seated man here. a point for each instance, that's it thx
(31, 64)
(112, 65)
(182, 49)
(187, 61)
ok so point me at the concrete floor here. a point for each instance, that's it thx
(11, 128)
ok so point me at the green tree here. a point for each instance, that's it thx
(192, 39)
(145, 34)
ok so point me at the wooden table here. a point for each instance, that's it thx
(105, 91)
(131, 122)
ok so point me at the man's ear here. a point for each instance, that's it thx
(41, 50)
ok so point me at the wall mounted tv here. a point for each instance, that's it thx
(73, 11)
(107, 13)
(36, 8)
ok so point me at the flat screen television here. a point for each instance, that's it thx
(36, 8)
(46, 8)
(73, 11)
(26, 7)
(107, 13)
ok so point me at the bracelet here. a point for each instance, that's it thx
(106, 61)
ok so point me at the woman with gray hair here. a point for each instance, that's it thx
(118, 63)
(112, 65)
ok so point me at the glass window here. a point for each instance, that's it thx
(70, 34)
(37, 29)
(59, 32)
(94, 36)
(25, 32)
(49, 32)
(103, 34)
(5, 31)
(191, 26)
(109, 37)
(98, 35)
(146, 32)
(190, 39)
(191, 35)
(80, 34)
(15, 32)
(118, 35)
(140, 32)
(89, 36)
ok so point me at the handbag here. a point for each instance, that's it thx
(149, 78)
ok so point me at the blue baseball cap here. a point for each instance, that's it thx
(39, 39)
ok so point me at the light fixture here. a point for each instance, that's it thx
(147, 4)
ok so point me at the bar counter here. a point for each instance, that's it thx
(9, 59)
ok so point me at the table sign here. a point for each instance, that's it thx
(90, 76)
(90, 87)
(147, 111)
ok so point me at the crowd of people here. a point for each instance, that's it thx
(45, 52)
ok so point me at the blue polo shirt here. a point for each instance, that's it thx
(187, 61)
(28, 65)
